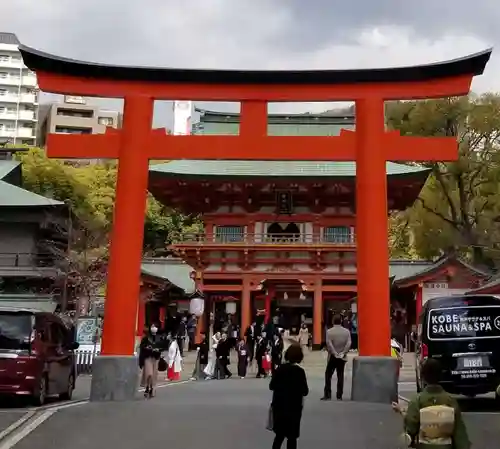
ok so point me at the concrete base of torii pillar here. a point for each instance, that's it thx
(114, 378)
(375, 379)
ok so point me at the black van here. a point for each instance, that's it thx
(463, 333)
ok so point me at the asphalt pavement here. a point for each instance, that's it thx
(231, 414)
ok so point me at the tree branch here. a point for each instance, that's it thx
(452, 223)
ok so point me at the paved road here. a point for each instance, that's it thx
(227, 414)
(231, 414)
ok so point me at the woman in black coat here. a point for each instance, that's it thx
(289, 387)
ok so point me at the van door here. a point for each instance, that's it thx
(65, 360)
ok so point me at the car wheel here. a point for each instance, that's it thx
(68, 394)
(40, 394)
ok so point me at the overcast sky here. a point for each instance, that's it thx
(259, 34)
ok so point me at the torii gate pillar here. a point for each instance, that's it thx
(370, 145)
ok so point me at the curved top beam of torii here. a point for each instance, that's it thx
(469, 65)
(61, 75)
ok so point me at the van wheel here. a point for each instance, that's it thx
(40, 394)
(68, 394)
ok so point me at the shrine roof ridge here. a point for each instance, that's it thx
(238, 169)
(469, 65)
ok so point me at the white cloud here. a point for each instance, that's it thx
(257, 34)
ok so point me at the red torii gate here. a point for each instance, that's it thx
(370, 145)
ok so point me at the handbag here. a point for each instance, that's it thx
(270, 419)
(162, 365)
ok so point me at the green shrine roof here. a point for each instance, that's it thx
(222, 123)
(269, 169)
(14, 196)
(175, 271)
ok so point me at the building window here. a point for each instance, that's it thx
(105, 121)
(4, 58)
(67, 130)
(3, 75)
(229, 234)
(338, 234)
(3, 91)
(75, 113)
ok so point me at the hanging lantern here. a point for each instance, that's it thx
(197, 306)
(230, 308)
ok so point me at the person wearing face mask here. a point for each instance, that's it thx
(149, 355)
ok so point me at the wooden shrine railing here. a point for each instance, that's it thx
(268, 239)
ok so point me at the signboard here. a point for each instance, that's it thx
(74, 99)
(473, 322)
(86, 329)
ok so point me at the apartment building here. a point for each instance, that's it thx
(75, 116)
(18, 95)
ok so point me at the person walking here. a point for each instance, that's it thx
(303, 337)
(181, 335)
(289, 387)
(434, 418)
(276, 352)
(222, 351)
(261, 349)
(243, 357)
(174, 360)
(250, 337)
(202, 357)
(149, 356)
(338, 343)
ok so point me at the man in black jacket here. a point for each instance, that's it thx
(222, 352)
(202, 357)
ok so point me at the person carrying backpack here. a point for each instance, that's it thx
(433, 419)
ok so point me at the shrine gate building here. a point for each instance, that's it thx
(279, 236)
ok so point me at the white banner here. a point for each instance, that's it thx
(183, 112)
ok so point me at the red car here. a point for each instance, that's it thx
(37, 357)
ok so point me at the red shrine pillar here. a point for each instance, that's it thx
(318, 328)
(419, 300)
(120, 310)
(246, 306)
(267, 303)
(371, 229)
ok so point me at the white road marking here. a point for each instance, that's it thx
(23, 432)
(16, 432)
(16, 424)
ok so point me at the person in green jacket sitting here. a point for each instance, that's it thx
(433, 419)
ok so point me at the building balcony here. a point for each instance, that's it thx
(29, 81)
(306, 241)
(22, 133)
(27, 264)
(23, 115)
(10, 81)
(21, 98)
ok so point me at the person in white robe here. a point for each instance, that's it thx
(212, 358)
(174, 361)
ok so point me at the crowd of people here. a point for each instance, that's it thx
(433, 417)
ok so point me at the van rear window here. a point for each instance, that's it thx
(15, 330)
(466, 322)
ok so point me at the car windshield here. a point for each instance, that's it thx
(464, 322)
(15, 330)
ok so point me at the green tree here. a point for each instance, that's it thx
(457, 208)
